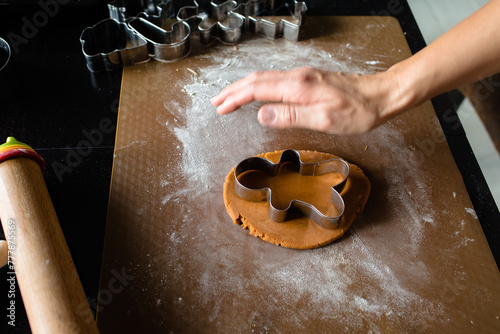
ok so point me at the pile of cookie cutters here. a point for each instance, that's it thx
(162, 29)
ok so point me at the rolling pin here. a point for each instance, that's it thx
(46, 275)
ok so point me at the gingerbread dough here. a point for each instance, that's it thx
(298, 231)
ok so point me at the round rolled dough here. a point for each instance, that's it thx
(297, 231)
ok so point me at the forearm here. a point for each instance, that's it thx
(467, 53)
(350, 103)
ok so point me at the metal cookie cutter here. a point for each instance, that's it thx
(164, 43)
(6, 79)
(167, 28)
(5, 53)
(287, 26)
(111, 44)
(9, 78)
(122, 10)
(223, 23)
(126, 39)
(229, 19)
(161, 29)
(313, 169)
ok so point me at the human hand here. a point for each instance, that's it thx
(315, 99)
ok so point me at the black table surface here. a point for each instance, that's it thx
(50, 100)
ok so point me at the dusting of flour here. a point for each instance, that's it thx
(350, 282)
(207, 137)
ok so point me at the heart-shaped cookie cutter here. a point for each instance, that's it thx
(304, 168)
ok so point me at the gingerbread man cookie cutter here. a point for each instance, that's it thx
(260, 164)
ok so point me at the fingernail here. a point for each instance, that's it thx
(267, 115)
(212, 100)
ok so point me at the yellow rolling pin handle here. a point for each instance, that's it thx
(46, 275)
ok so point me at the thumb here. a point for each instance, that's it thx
(285, 116)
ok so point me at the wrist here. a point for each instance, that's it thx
(388, 94)
(402, 93)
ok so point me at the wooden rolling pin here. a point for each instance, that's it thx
(46, 275)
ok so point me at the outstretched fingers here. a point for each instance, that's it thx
(314, 99)
(274, 86)
(246, 90)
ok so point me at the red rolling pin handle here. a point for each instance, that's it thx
(46, 275)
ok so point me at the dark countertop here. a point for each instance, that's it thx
(56, 105)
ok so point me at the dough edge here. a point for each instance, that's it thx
(355, 194)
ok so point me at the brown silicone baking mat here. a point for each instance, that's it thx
(416, 260)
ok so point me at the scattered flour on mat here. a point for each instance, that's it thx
(324, 276)
(407, 189)
(133, 143)
(208, 140)
(373, 62)
(471, 212)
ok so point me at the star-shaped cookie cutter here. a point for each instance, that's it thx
(316, 168)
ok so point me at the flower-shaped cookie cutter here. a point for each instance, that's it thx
(260, 164)
(110, 44)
